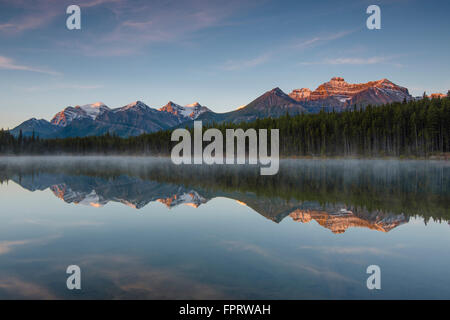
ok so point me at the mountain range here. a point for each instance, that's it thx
(137, 118)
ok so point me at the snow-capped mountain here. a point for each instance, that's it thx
(97, 119)
(137, 106)
(66, 116)
(188, 112)
(95, 109)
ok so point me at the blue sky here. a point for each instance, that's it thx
(221, 54)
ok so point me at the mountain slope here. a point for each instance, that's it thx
(41, 128)
(273, 103)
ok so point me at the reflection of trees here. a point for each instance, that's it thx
(411, 188)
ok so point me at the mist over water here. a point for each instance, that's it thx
(143, 227)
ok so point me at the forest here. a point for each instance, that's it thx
(418, 128)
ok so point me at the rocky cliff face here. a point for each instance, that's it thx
(302, 94)
(339, 94)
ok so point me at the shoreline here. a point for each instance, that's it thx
(444, 157)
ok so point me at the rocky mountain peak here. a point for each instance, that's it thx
(337, 80)
(137, 105)
(339, 93)
(194, 105)
(171, 107)
(277, 91)
(190, 111)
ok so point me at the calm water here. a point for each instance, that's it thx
(142, 228)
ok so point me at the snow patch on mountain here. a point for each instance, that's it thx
(190, 111)
(136, 106)
(65, 117)
(94, 110)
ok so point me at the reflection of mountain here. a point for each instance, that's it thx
(340, 221)
(137, 193)
(97, 192)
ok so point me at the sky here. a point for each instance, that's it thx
(222, 54)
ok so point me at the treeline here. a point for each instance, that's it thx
(415, 128)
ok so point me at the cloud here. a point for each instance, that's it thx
(129, 277)
(93, 3)
(8, 246)
(68, 86)
(243, 246)
(232, 65)
(39, 13)
(29, 17)
(292, 262)
(25, 290)
(9, 64)
(6, 26)
(354, 61)
(292, 46)
(372, 60)
(130, 26)
(318, 40)
(356, 250)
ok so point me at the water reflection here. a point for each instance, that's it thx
(144, 228)
(379, 195)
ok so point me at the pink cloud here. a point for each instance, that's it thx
(40, 13)
(133, 25)
(232, 65)
(10, 64)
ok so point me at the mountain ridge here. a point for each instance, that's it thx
(138, 118)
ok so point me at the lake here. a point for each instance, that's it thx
(143, 228)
